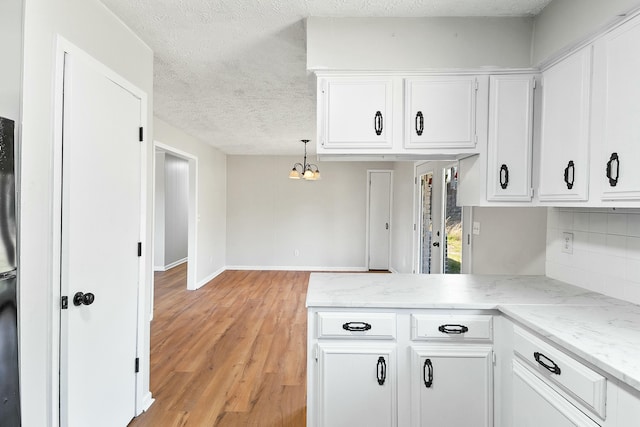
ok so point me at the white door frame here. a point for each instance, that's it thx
(143, 397)
(192, 238)
(367, 252)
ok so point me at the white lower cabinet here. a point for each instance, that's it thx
(451, 385)
(536, 404)
(356, 385)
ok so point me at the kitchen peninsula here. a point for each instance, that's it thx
(449, 350)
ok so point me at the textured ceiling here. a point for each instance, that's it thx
(233, 72)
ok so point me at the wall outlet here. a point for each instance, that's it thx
(476, 228)
(296, 252)
(567, 243)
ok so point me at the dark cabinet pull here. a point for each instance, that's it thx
(381, 370)
(377, 123)
(614, 159)
(427, 373)
(504, 176)
(553, 368)
(570, 174)
(453, 329)
(356, 326)
(419, 123)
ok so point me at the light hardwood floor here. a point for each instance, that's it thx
(232, 353)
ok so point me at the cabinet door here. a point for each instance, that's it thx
(357, 113)
(452, 386)
(440, 112)
(510, 137)
(357, 386)
(536, 404)
(616, 112)
(564, 137)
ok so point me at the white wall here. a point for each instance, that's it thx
(402, 217)
(414, 43)
(271, 216)
(563, 22)
(90, 26)
(176, 206)
(511, 241)
(606, 250)
(158, 224)
(212, 198)
(11, 69)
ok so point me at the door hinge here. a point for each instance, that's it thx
(494, 357)
(415, 180)
(141, 134)
(139, 248)
(476, 138)
(535, 83)
(64, 303)
(414, 227)
(468, 239)
(477, 85)
(137, 365)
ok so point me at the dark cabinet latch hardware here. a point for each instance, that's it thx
(356, 326)
(381, 370)
(570, 174)
(453, 329)
(419, 123)
(504, 177)
(427, 373)
(377, 123)
(551, 366)
(614, 162)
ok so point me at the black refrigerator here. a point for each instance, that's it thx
(9, 384)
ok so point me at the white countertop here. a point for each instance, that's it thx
(601, 330)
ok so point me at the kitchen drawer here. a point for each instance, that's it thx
(570, 375)
(451, 327)
(357, 325)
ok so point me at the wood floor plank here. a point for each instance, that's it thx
(232, 353)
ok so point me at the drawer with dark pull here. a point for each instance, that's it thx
(356, 325)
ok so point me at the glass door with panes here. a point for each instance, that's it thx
(439, 219)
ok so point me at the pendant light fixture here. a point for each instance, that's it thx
(305, 170)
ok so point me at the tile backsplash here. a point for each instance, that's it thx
(606, 250)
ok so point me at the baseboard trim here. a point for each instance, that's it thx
(147, 401)
(294, 268)
(175, 264)
(159, 268)
(210, 277)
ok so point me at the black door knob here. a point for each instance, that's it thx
(83, 299)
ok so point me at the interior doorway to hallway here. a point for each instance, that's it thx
(175, 210)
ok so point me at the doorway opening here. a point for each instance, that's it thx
(180, 179)
(439, 220)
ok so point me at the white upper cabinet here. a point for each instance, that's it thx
(616, 112)
(510, 137)
(356, 113)
(440, 112)
(564, 136)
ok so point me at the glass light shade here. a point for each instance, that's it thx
(308, 174)
(316, 175)
(294, 174)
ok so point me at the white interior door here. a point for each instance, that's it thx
(101, 211)
(379, 219)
